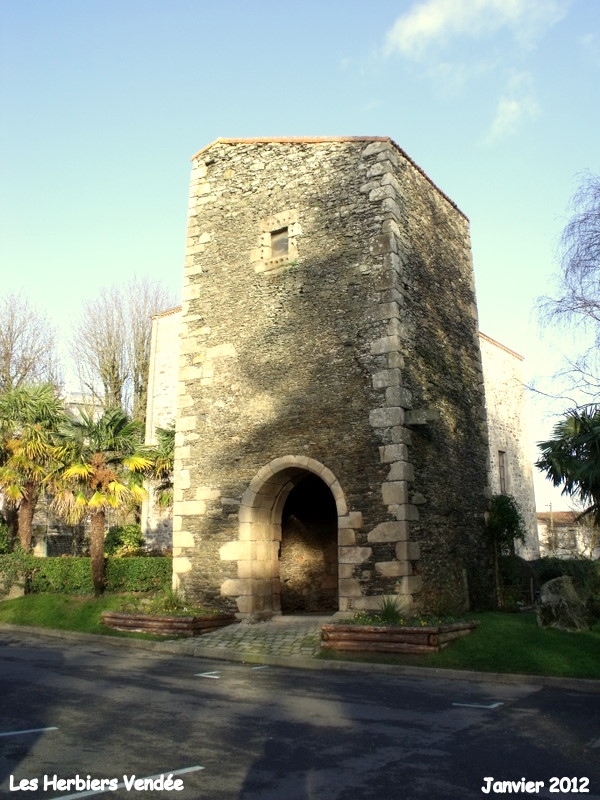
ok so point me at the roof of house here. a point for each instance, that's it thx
(560, 518)
(321, 139)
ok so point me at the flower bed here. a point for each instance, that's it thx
(393, 638)
(166, 625)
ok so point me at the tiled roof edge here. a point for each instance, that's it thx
(167, 312)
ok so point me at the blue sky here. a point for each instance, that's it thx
(103, 103)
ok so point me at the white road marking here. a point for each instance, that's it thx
(122, 785)
(594, 743)
(29, 730)
(214, 675)
(263, 666)
(478, 705)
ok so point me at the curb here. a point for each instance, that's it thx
(179, 648)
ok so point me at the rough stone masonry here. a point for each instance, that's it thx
(331, 444)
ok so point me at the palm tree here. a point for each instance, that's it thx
(103, 470)
(571, 459)
(29, 421)
(162, 466)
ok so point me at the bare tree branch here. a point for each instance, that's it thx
(577, 305)
(111, 343)
(98, 349)
(27, 345)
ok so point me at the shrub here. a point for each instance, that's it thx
(389, 611)
(123, 540)
(6, 540)
(14, 568)
(167, 601)
(517, 580)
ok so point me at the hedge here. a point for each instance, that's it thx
(138, 574)
(73, 575)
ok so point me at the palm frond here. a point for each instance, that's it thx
(571, 459)
(72, 506)
(138, 492)
(78, 471)
(118, 490)
(137, 462)
(13, 493)
(98, 500)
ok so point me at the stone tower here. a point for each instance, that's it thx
(331, 440)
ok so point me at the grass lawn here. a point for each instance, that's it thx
(511, 643)
(64, 612)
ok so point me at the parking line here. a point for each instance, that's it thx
(477, 705)
(29, 730)
(77, 795)
(594, 743)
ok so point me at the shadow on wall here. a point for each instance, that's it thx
(300, 378)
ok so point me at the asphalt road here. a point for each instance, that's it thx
(269, 733)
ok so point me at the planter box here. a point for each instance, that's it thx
(392, 638)
(163, 625)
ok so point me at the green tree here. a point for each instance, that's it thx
(29, 421)
(506, 526)
(103, 469)
(571, 458)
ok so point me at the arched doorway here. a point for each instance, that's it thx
(318, 505)
(308, 556)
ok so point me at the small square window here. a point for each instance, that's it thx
(279, 243)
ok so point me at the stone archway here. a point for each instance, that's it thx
(262, 512)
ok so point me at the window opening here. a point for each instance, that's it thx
(502, 470)
(279, 243)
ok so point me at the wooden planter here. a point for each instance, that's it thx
(392, 638)
(165, 625)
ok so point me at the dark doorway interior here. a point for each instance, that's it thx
(308, 567)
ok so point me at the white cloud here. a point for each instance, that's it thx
(434, 22)
(516, 105)
(451, 78)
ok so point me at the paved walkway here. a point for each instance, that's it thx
(289, 636)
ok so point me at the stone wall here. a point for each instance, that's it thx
(510, 447)
(350, 354)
